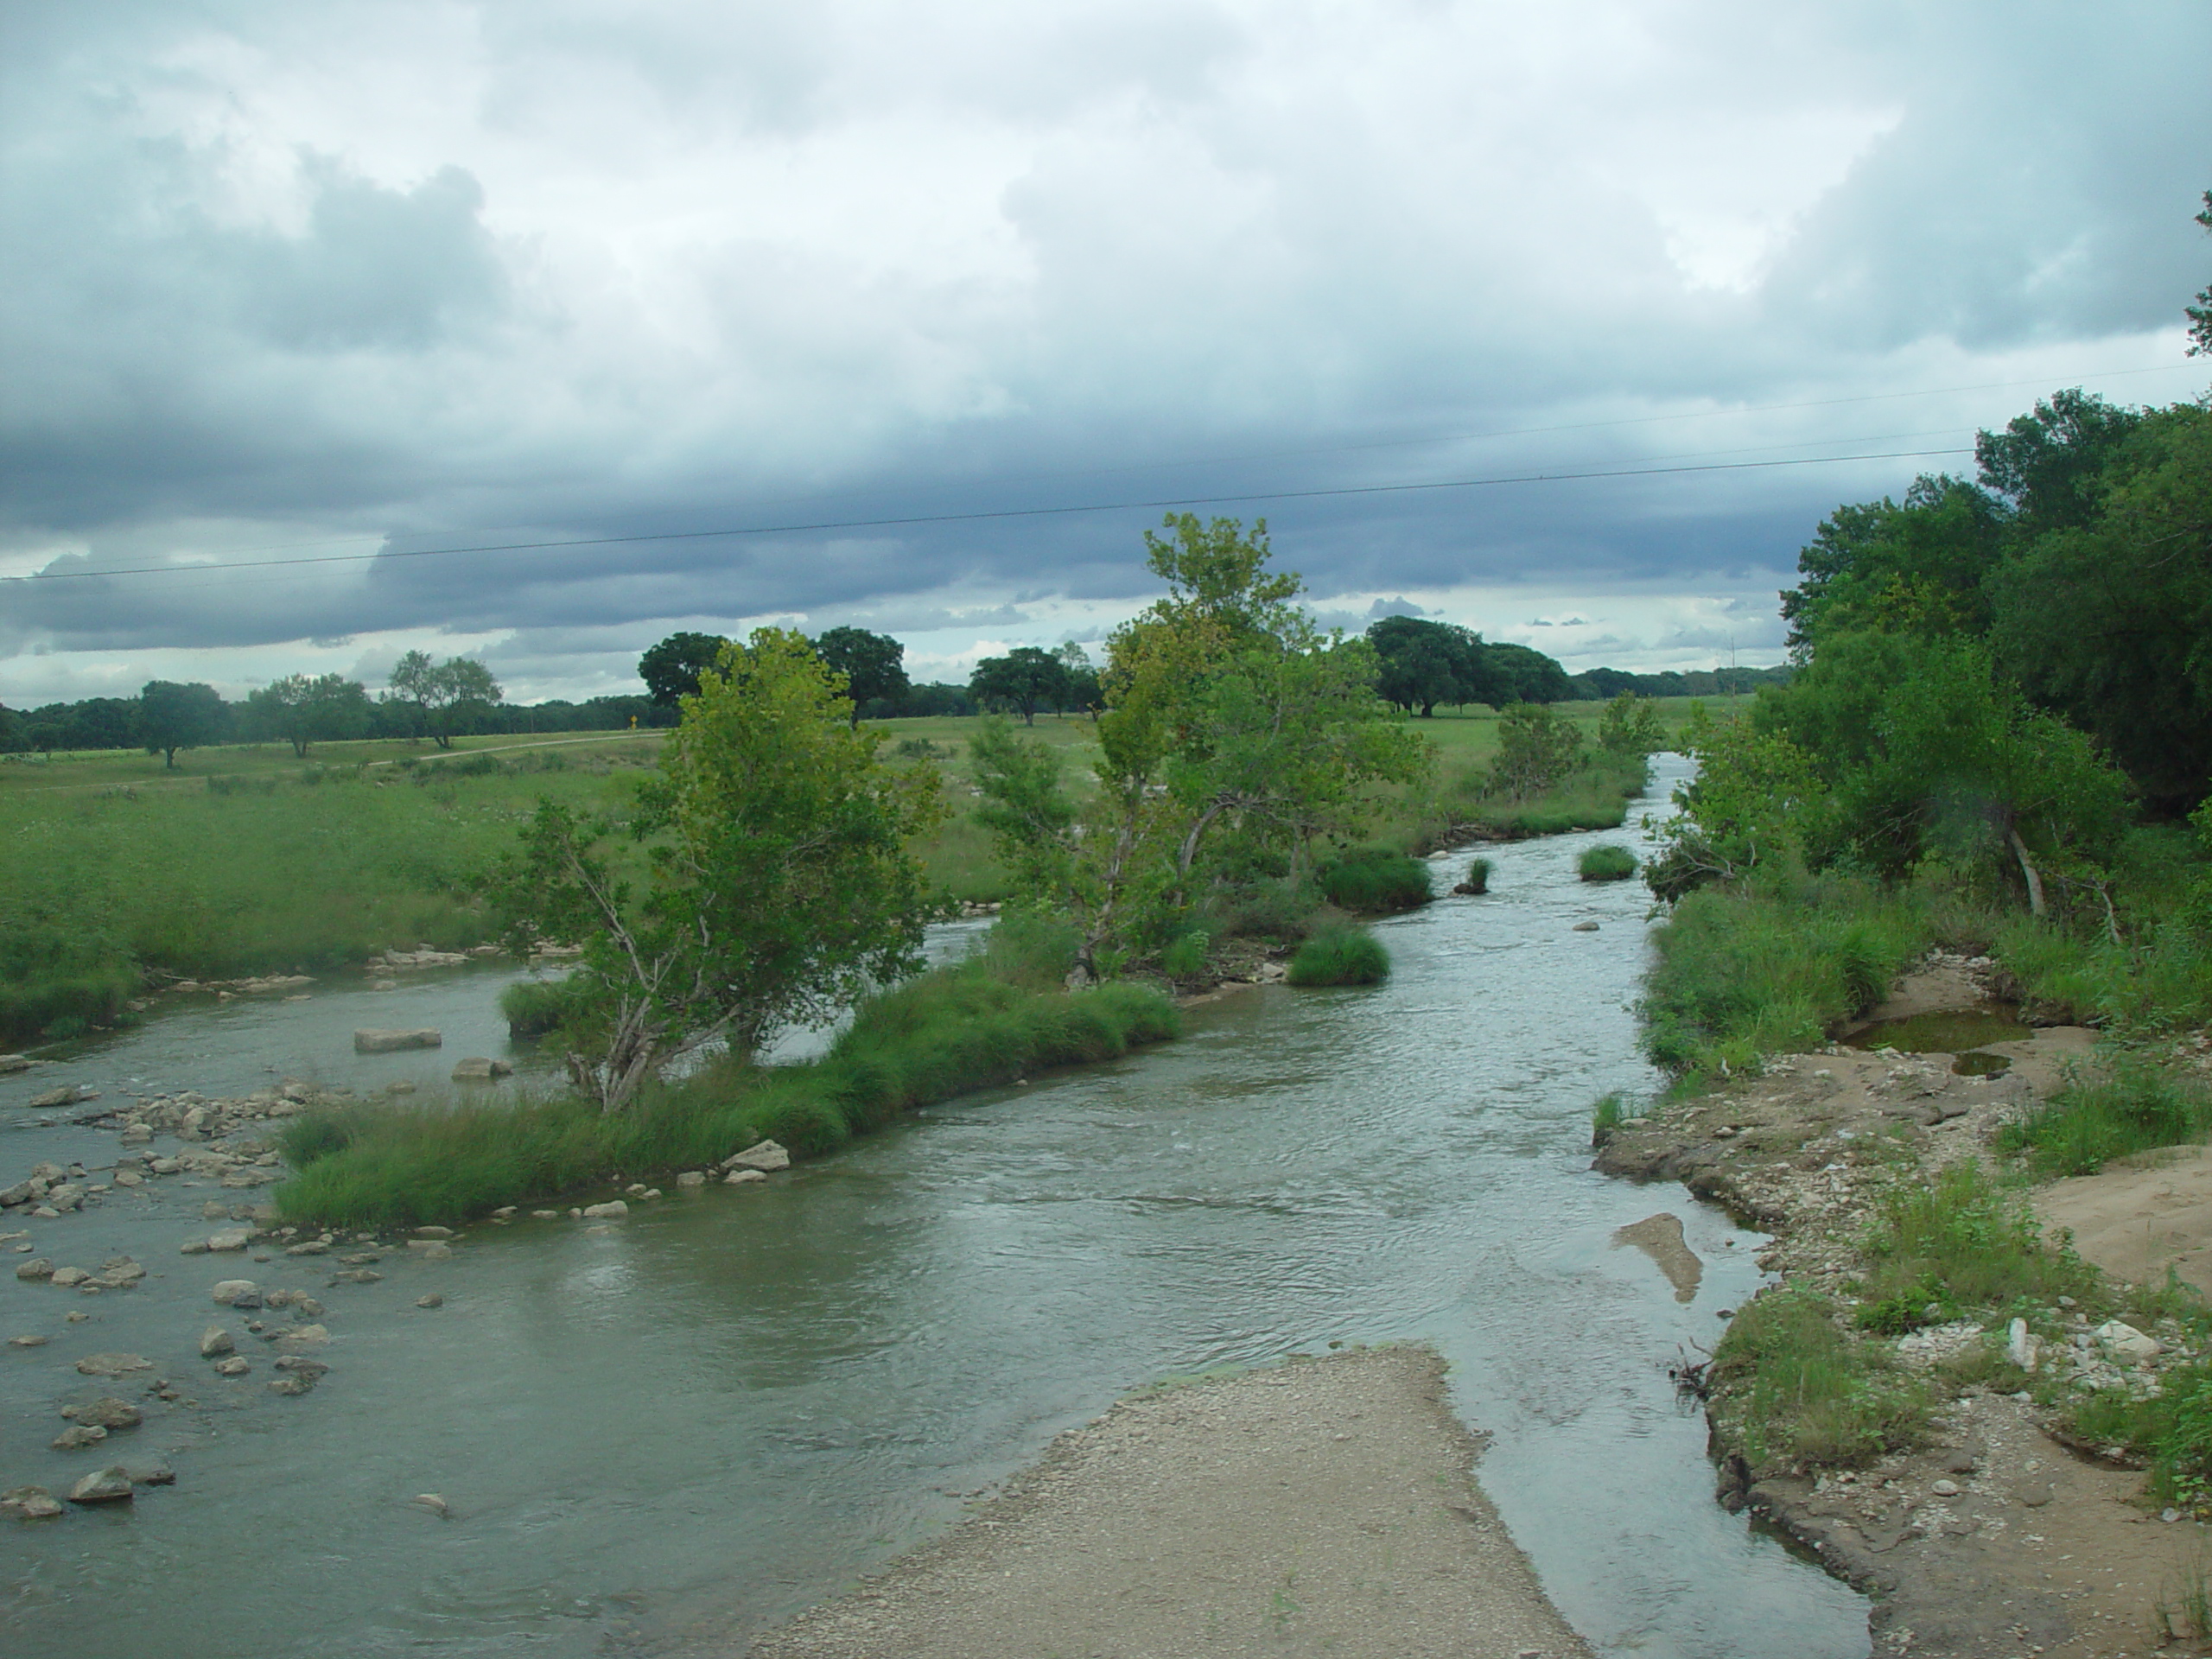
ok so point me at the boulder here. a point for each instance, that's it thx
(77, 1436)
(110, 1485)
(37, 1268)
(300, 1365)
(28, 1340)
(31, 1503)
(479, 1069)
(368, 1040)
(215, 1342)
(291, 1385)
(761, 1155)
(691, 1180)
(68, 1094)
(237, 1292)
(611, 1209)
(230, 1238)
(70, 1195)
(2124, 1341)
(69, 1278)
(113, 1365)
(431, 1300)
(739, 1177)
(305, 1336)
(110, 1412)
(236, 1365)
(1585, 927)
(12, 1063)
(150, 1474)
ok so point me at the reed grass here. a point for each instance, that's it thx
(1340, 956)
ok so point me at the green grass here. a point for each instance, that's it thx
(1793, 1390)
(1605, 863)
(974, 1025)
(2131, 1104)
(1374, 879)
(1477, 878)
(1772, 967)
(1963, 1245)
(1340, 956)
(534, 1007)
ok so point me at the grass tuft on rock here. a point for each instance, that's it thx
(957, 1029)
(1605, 863)
(1340, 956)
(1478, 877)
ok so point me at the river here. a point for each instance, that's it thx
(672, 1432)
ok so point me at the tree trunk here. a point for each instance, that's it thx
(2028, 870)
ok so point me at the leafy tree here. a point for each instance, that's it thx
(1631, 726)
(173, 718)
(1424, 663)
(781, 885)
(670, 670)
(443, 692)
(2049, 466)
(1027, 809)
(1521, 674)
(2109, 621)
(328, 709)
(1918, 567)
(1536, 747)
(1082, 690)
(1020, 680)
(2200, 315)
(14, 738)
(873, 664)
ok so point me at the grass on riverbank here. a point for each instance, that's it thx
(1340, 956)
(1605, 863)
(974, 1025)
(1770, 966)
(1374, 879)
(1791, 1390)
(2132, 1103)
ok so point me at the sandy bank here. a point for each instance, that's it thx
(1326, 1507)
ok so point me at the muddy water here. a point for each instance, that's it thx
(677, 1430)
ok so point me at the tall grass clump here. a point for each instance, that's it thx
(1605, 863)
(1794, 1390)
(1962, 1244)
(1373, 880)
(946, 1033)
(1770, 966)
(2132, 1105)
(1340, 956)
(534, 1007)
(1476, 880)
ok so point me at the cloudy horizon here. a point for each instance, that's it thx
(301, 298)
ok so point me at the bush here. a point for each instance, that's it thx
(1185, 956)
(1374, 879)
(1605, 863)
(1341, 956)
(1276, 910)
(534, 1006)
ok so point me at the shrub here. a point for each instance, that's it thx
(1962, 1243)
(1605, 863)
(534, 1006)
(1478, 877)
(1374, 879)
(1185, 956)
(1340, 956)
(1261, 909)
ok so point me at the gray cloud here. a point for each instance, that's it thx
(284, 283)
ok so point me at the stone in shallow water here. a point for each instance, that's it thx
(113, 1365)
(77, 1436)
(215, 1342)
(236, 1365)
(108, 1412)
(369, 1041)
(110, 1485)
(237, 1292)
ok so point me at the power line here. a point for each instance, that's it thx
(912, 520)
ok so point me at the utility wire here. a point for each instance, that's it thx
(1000, 513)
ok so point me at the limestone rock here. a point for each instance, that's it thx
(305, 1336)
(69, 1278)
(150, 1474)
(230, 1238)
(2022, 1347)
(37, 1268)
(237, 1292)
(368, 1040)
(108, 1412)
(68, 1094)
(215, 1342)
(113, 1365)
(110, 1485)
(431, 1300)
(691, 1180)
(28, 1340)
(77, 1436)
(236, 1365)
(739, 1177)
(479, 1069)
(761, 1155)
(1585, 927)
(2124, 1341)
(291, 1385)
(612, 1209)
(301, 1366)
(31, 1503)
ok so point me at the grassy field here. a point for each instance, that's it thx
(247, 860)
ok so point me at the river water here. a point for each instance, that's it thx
(675, 1430)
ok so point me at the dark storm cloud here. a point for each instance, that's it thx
(448, 274)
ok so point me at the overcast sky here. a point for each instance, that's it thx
(343, 284)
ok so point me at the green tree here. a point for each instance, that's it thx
(2200, 315)
(1082, 690)
(1424, 663)
(443, 693)
(173, 716)
(1630, 727)
(873, 664)
(1020, 680)
(1536, 747)
(781, 882)
(670, 670)
(1916, 568)
(2050, 465)
(329, 708)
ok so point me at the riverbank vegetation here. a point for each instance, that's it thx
(1340, 956)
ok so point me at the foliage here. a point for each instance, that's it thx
(533, 1007)
(1535, 749)
(1340, 956)
(173, 718)
(440, 692)
(781, 883)
(1477, 880)
(1769, 965)
(1424, 663)
(302, 711)
(1374, 879)
(1605, 863)
(950, 1031)
(1028, 810)
(670, 670)
(873, 664)
(2130, 1105)
(1025, 678)
(1795, 1391)
(1961, 1242)
(1630, 727)
(2200, 315)
(1913, 569)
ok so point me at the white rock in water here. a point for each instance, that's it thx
(215, 1342)
(764, 1155)
(478, 1068)
(230, 1238)
(691, 1178)
(739, 1177)
(237, 1292)
(2118, 1337)
(108, 1486)
(113, 1365)
(611, 1209)
(2020, 1347)
(370, 1041)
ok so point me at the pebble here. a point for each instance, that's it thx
(1945, 1488)
(431, 1300)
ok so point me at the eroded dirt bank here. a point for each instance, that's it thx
(1995, 1538)
(1325, 1507)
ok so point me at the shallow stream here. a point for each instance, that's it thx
(692, 1425)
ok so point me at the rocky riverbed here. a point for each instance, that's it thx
(2002, 1536)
